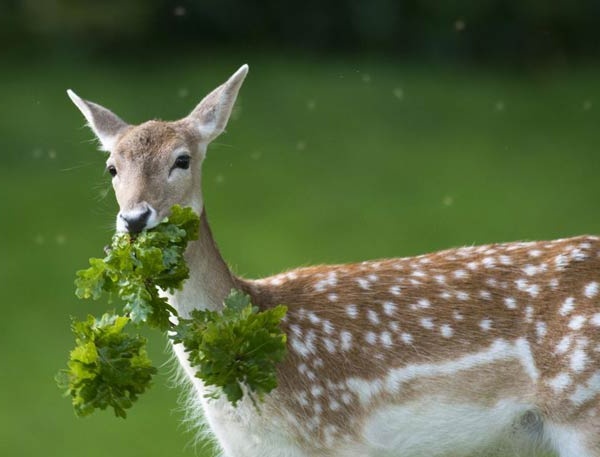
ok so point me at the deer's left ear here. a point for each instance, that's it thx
(104, 123)
(212, 113)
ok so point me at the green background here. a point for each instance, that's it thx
(330, 156)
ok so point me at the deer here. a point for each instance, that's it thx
(475, 350)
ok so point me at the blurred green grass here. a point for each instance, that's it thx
(325, 161)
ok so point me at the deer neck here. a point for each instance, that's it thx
(210, 279)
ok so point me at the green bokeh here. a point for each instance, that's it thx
(324, 161)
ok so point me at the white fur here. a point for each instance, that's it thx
(438, 426)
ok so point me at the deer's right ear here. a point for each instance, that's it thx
(104, 123)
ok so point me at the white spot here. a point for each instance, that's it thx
(395, 290)
(577, 322)
(561, 261)
(563, 345)
(540, 330)
(426, 322)
(418, 274)
(332, 297)
(535, 253)
(373, 316)
(531, 289)
(595, 320)
(472, 265)
(291, 275)
(296, 330)
(553, 283)
(560, 382)
(567, 306)
(446, 295)
(386, 339)
(488, 262)
(485, 324)
(318, 409)
(578, 360)
(303, 399)
(529, 314)
(370, 337)
(485, 294)
(329, 281)
(351, 311)
(423, 303)
(578, 255)
(346, 340)
(334, 405)
(389, 308)
(491, 282)
(530, 270)
(316, 391)
(510, 303)
(457, 316)
(440, 279)
(591, 290)
(277, 281)
(505, 260)
(394, 326)
(446, 330)
(363, 283)
(461, 295)
(460, 274)
(347, 398)
(406, 338)
(327, 327)
(373, 278)
(303, 348)
(314, 318)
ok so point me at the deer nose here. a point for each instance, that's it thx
(136, 222)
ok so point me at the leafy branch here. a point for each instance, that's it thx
(239, 346)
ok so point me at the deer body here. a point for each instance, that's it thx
(489, 349)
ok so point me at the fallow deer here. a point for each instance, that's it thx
(468, 351)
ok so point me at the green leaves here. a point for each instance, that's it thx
(107, 368)
(240, 346)
(135, 267)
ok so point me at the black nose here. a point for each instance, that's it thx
(137, 223)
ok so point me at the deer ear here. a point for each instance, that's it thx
(104, 123)
(210, 117)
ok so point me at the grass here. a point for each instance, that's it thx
(324, 162)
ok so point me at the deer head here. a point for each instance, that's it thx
(157, 164)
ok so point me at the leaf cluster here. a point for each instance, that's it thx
(107, 368)
(239, 346)
(136, 267)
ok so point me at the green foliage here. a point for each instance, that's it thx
(137, 266)
(107, 368)
(238, 346)
(235, 347)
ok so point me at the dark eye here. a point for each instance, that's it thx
(183, 162)
(112, 170)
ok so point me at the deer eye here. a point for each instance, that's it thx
(112, 170)
(183, 162)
